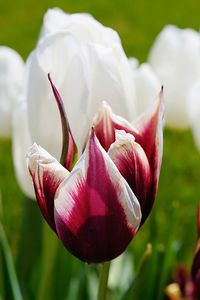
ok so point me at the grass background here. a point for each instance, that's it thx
(138, 23)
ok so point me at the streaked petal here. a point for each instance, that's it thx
(150, 127)
(131, 161)
(198, 220)
(69, 148)
(106, 122)
(195, 271)
(96, 213)
(47, 174)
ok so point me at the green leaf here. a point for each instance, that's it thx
(30, 247)
(11, 285)
(49, 252)
(136, 290)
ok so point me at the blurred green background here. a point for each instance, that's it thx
(173, 220)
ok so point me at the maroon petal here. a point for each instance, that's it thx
(69, 149)
(131, 161)
(198, 220)
(96, 213)
(105, 124)
(47, 174)
(150, 128)
(195, 271)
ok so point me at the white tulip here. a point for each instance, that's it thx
(194, 111)
(21, 140)
(175, 57)
(11, 80)
(147, 85)
(121, 272)
(81, 25)
(88, 65)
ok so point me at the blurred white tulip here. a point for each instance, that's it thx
(88, 65)
(121, 272)
(147, 85)
(194, 111)
(81, 25)
(21, 140)
(11, 81)
(175, 58)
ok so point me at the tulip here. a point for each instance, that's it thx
(11, 81)
(175, 58)
(86, 71)
(146, 85)
(89, 65)
(96, 208)
(20, 143)
(80, 25)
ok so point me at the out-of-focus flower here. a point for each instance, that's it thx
(121, 272)
(175, 58)
(146, 85)
(89, 65)
(96, 208)
(20, 143)
(11, 82)
(184, 285)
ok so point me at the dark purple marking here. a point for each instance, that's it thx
(96, 230)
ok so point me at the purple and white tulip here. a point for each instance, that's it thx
(98, 206)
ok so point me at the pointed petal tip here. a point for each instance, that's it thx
(49, 77)
(161, 100)
(51, 82)
(106, 106)
(104, 110)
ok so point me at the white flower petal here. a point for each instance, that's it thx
(21, 140)
(11, 81)
(175, 57)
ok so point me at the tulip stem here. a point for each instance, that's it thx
(103, 281)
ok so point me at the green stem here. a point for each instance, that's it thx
(103, 281)
(50, 248)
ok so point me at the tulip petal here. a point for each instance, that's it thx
(198, 220)
(131, 161)
(195, 271)
(150, 137)
(69, 149)
(47, 174)
(96, 213)
(21, 140)
(106, 122)
(175, 54)
(11, 85)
